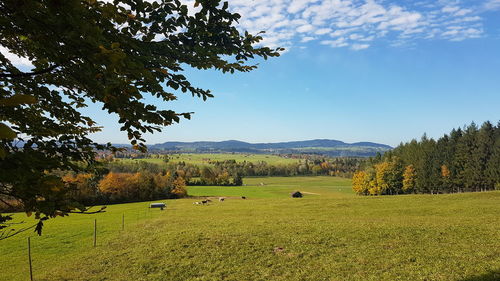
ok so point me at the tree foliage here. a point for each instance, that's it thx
(113, 53)
(466, 160)
(342, 167)
(140, 186)
(409, 178)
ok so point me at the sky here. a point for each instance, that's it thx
(379, 71)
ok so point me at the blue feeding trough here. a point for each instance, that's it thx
(158, 205)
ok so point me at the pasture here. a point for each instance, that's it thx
(205, 158)
(330, 234)
(280, 187)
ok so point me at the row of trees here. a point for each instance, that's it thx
(124, 187)
(230, 172)
(467, 159)
(343, 167)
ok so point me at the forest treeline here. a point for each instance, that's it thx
(228, 170)
(467, 159)
(114, 187)
(106, 187)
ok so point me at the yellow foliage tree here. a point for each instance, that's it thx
(224, 178)
(361, 182)
(380, 184)
(179, 187)
(117, 185)
(445, 172)
(81, 185)
(409, 179)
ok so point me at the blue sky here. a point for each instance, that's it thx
(380, 71)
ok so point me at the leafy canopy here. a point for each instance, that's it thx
(112, 52)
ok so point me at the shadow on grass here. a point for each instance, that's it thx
(489, 276)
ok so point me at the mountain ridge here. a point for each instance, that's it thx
(316, 146)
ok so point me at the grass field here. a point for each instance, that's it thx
(280, 187)
(329, 235)
(203, 159)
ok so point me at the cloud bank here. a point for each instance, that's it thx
(359, 24)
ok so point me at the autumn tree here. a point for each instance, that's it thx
(179, 187)
(445, 177)
(84, 186)
(360, 182)
(409, 178)
(114, 53)
(116, 185)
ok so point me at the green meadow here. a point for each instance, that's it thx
(280, 187)
(329, 234)
(205, 158)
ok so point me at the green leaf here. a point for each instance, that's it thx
(18, 99)
(6, 132)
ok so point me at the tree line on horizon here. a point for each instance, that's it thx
(465, 160)
(312, 165)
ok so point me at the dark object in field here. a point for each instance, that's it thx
(277, 250)
(243, 197)
(203, 202)
(221, 199)
(297, 194)
(158, 205)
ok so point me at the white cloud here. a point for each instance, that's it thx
(463, 12)
(305, 28)
(340, 42)
(450, 9)
(322, 31)
(459, 33)
(358, 47)
(307, 39)
(298, 5)
(19, 62)
(492, 5)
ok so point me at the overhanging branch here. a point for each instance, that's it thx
(28, 74)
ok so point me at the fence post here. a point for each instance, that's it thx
(29, 258)
(95, 232)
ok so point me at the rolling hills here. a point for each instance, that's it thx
(317, 146)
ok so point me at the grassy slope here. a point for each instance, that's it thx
(65, 238)
(332, 236)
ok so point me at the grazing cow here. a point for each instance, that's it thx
(221, 199)
(203, 202)
(196, 203)
(243, 197)
(209, 201)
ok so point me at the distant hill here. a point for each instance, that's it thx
(318, 146)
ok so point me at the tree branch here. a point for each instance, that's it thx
(9, 233)
(28, 74)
